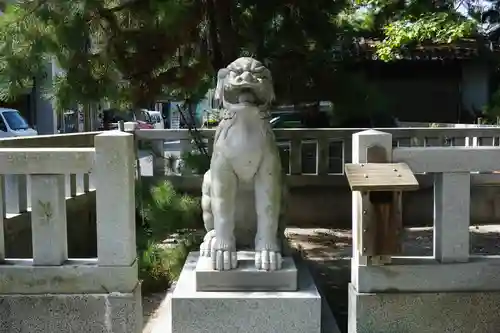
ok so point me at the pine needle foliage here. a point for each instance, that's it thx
(125, 52)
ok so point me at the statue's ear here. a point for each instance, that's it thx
(270, 89)
(272, 95)
(219, 90)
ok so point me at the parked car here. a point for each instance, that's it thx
(12, 124)
(144, 125)
(111, 117)
(156, 119)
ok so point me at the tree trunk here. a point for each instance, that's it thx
(217, 57)
(227, 34)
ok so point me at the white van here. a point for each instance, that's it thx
(156, 119)
(13, 124)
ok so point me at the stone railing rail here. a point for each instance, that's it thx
(447, 158)
(451, 268)
(109, 156)
(316, 156)
(17, 198)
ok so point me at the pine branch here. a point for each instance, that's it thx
(127, 5)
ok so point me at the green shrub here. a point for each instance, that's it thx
(163, 212)
(152, 269)
(160, 265)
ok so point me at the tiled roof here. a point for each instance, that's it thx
(364, 49)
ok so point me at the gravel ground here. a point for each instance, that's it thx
(329, 251)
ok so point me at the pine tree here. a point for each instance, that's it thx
(129, 53)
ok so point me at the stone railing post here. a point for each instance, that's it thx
(360, 143)
(2, 217)
(348, 148)
(295, 156)
(185, 146)
(48, 219)
(131, 127)
(158, 157)
(72, 185)
(451, 217)
(16, 193)
(322, 156)
(115, 198)
(86, 182)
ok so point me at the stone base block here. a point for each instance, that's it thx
(246, 312)
(459, 312)
(246, 276)
(73, 313)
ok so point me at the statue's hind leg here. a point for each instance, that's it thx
(268, 193)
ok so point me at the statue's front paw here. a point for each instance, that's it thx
(224, 256)
(268, 260)
(206, 246)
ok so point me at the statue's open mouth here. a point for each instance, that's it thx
(242, 93)
(247, 96)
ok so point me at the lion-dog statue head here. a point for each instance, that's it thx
(244, 81)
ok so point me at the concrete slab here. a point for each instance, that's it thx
(246, 277)
(437, 312)
(76, 313)
(247, 312)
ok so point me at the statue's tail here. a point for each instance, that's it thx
(206, 204)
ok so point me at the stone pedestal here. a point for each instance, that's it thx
(246, 276)
(430, 312)
(195, 311)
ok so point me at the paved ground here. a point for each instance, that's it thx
(329, 250)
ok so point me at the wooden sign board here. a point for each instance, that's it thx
(380, 177)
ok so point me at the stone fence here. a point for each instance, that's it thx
(51, 288)
(80, 199)
(451, 291)
(314, 160)
(455, 167)
(17, 198)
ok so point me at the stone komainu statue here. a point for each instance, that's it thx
(243, 192)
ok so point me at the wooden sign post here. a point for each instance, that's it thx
(381, 185)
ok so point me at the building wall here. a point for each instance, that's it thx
(419, 90)
(475, 86)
